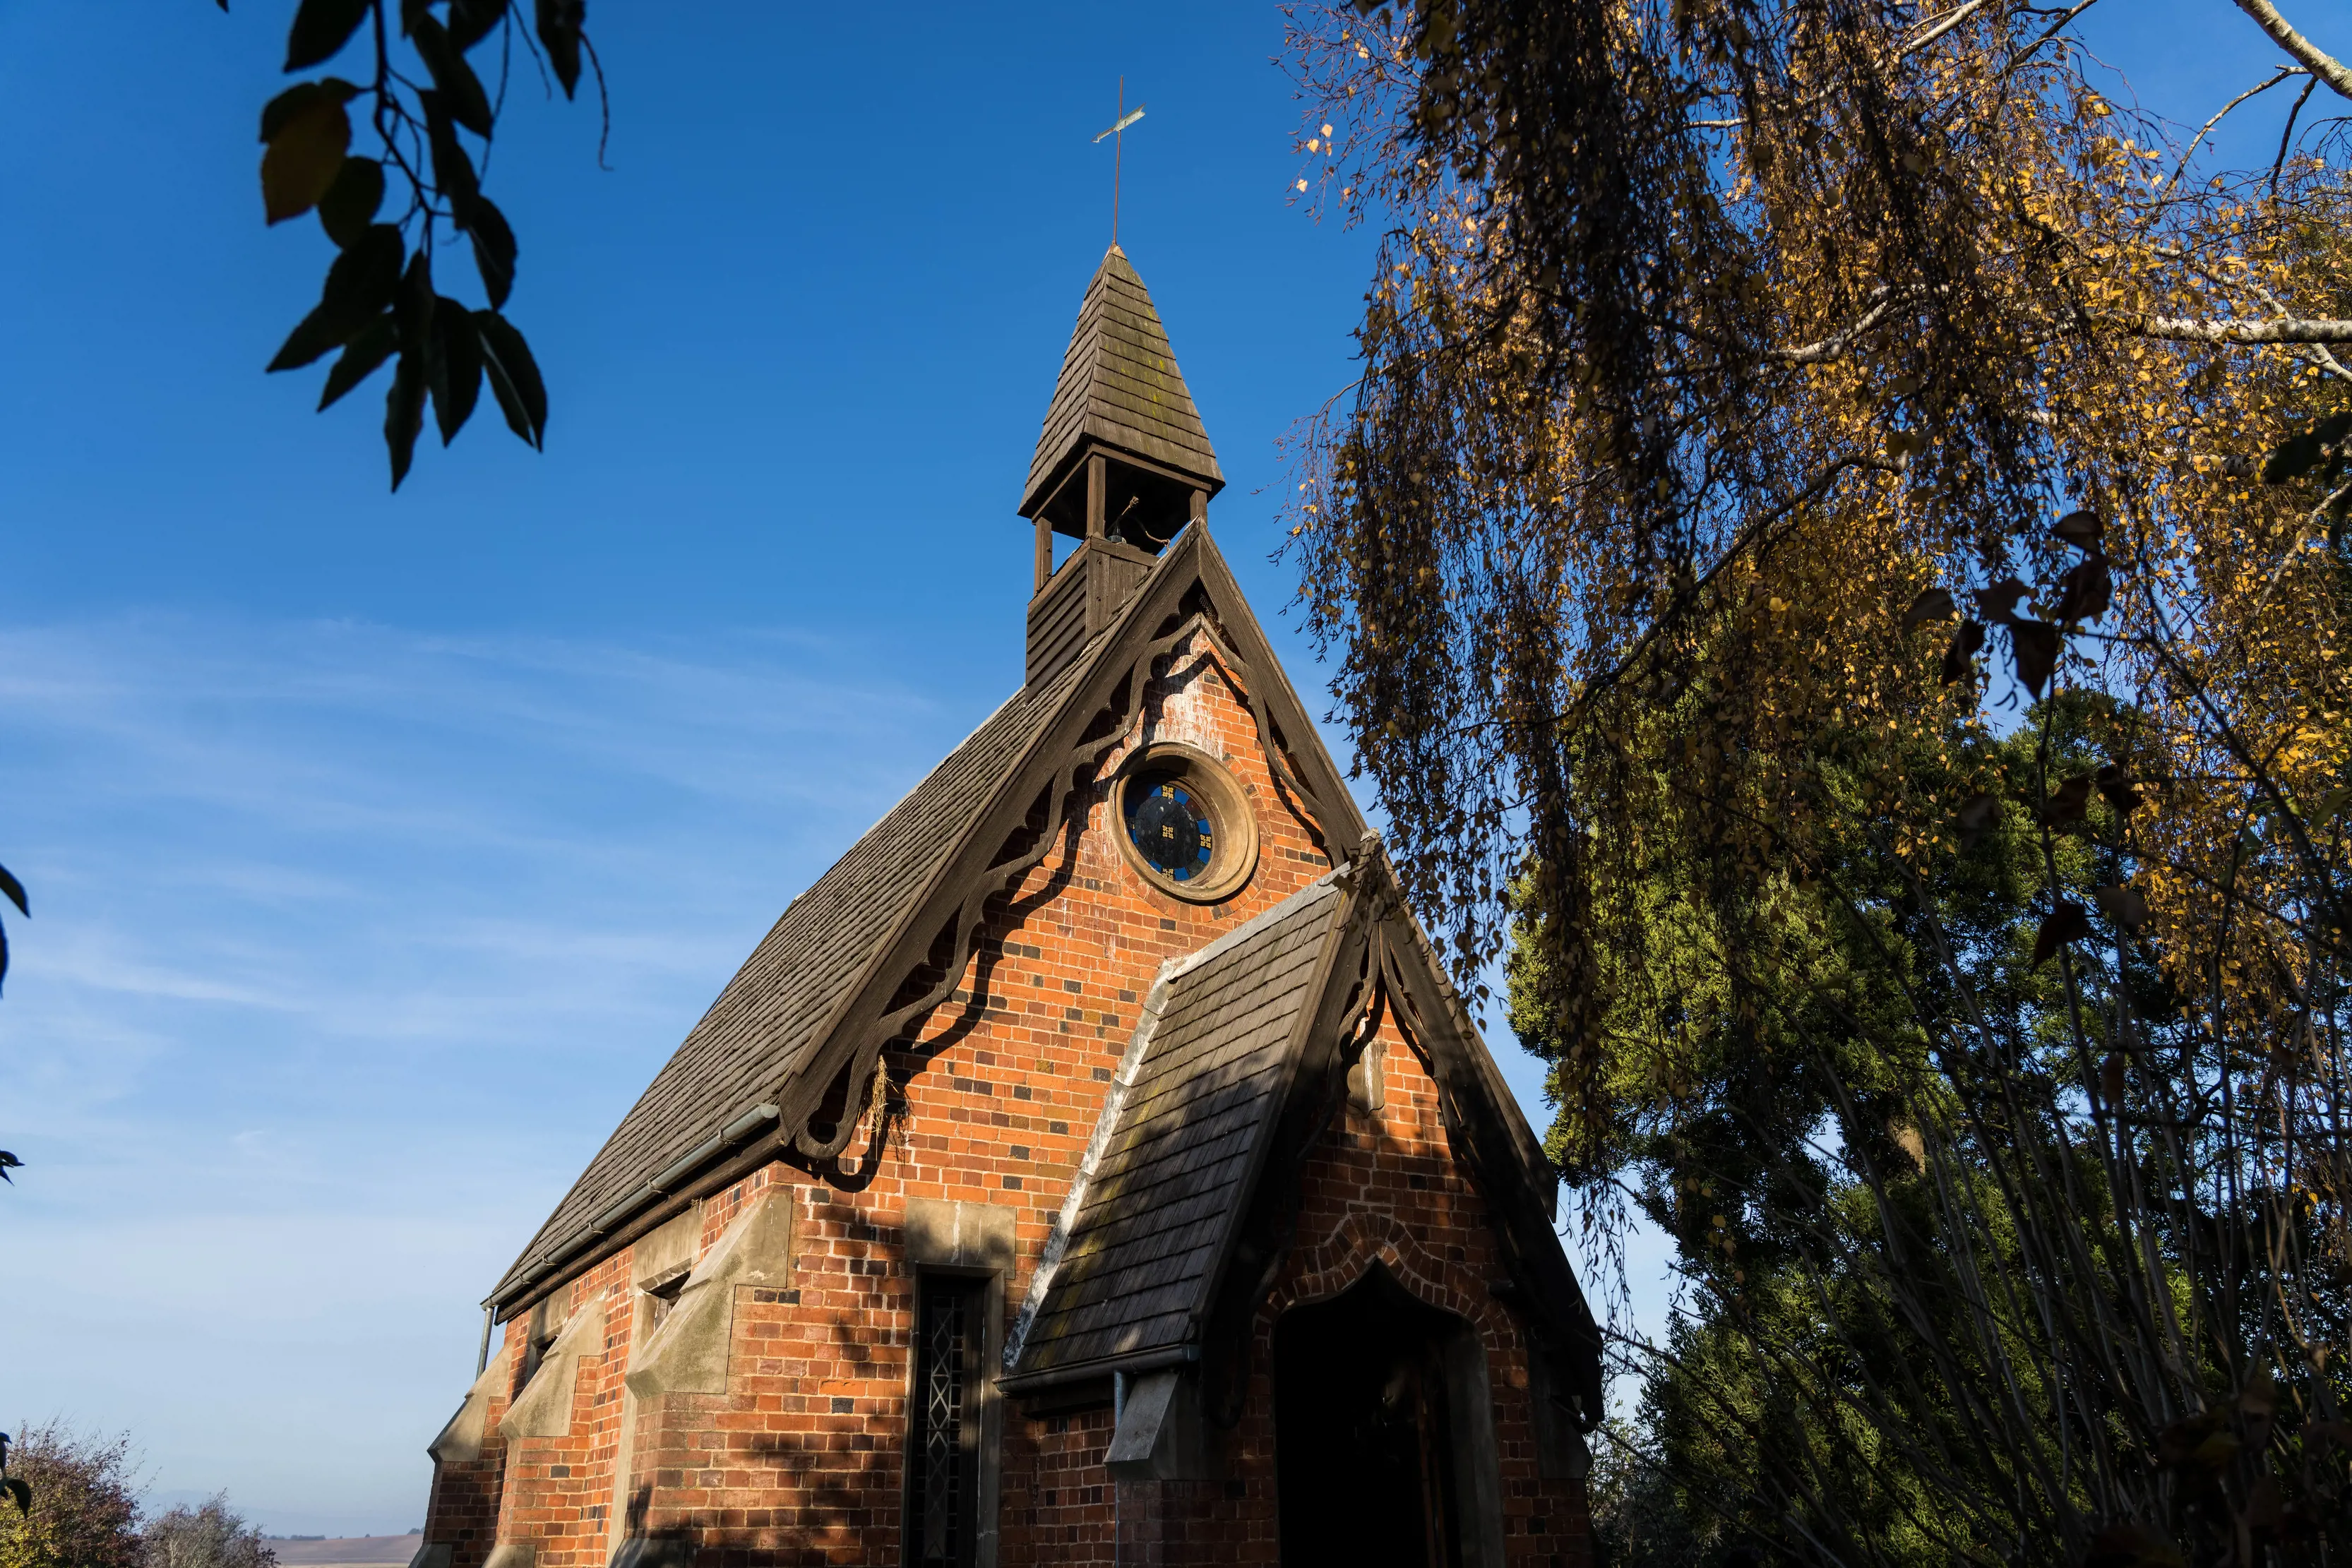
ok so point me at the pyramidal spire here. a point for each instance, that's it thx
(1122, 399)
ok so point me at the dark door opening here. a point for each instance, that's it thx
(1367, 1453)
(943, 1428)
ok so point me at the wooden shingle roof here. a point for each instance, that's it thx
(1167, 1181)
(767, 1018)
(1120, 386)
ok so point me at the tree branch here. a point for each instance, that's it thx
(1834, 346)
(2182, 330)
(2287, 137)
(2164, 328)
(2286, 73)
(1959, 14)
(2319, 355)
(2323, 66)
(2047, 34)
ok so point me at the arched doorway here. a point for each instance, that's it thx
(1383, 1433)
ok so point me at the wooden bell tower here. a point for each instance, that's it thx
(1122, 465)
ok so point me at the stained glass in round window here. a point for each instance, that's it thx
(1190, 830)
(1171, 827)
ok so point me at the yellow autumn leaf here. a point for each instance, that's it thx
(302, 159)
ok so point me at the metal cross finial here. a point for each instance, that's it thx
(1117, 133)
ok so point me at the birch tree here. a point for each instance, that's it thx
(1799, 442)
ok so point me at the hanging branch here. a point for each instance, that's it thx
(422, 104)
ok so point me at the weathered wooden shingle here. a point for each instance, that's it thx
(755, 1036)
(1166, 1185)
(1120, 385)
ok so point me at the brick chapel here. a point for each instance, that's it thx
(1095, 1166)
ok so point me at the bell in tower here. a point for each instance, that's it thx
(1122, 465)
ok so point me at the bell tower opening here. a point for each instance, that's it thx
(1119, 499)
(1379, 1402)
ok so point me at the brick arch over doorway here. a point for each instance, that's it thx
(1337, 1263)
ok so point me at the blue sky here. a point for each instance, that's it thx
(381, 848)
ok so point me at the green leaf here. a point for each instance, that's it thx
(2296, 456)
(2080, 528)
(2125, 903)
(352, 202)
(461, 89)
(1978, 815)
(453, 170)
(2118, 786)
(364, 278)
(560, 21)
(2066, 801)
(514, 377)
(2034, 646)
(360, 284)
(452, 367)
(14, 891)
(1932, 604)
(494, 250)
(320, 333)
(322, 28)
(2085, 592)
(2067, 922)
(1965, 643)
(368, 348)
(470, 21)
(404, 405)
(414, 304)
(1998, 603)
(403, 416)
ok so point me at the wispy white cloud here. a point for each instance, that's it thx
(351, 943)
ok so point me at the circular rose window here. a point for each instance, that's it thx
(1184, 823)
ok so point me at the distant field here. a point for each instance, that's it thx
(356, 1552)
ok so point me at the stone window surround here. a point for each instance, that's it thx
(1229, 808)
(972, 1241)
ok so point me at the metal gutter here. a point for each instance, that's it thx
(1184, 1354)
(673, 1176)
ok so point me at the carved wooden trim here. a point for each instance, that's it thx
(1074, 772)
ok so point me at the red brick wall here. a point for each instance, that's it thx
(463, 1509)
(558, 1491)
(1383, 1187)
(800, 1460)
